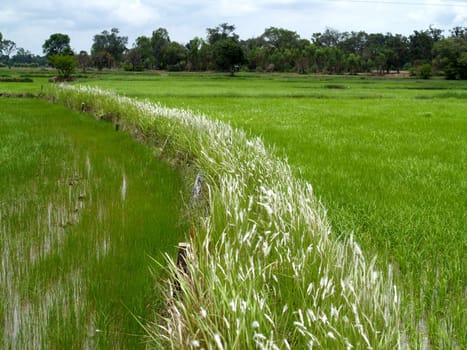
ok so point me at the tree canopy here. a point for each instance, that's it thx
(8, 47)
(276, 49)
(57, 44)
(228, 55)
(450, 56)
(221, 32)
(111, 43)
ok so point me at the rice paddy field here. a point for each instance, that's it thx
(83, 210)
(386, 158)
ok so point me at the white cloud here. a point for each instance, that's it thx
(30, 22)
(7, 16)
(135, 13)
(459, 16)
(237, 8)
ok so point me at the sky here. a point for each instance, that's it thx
(30, 22)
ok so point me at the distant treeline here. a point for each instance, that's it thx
(423, 53)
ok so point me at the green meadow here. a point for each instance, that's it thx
(83, 210)
(386, 157)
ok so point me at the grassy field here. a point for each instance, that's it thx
(82, 210)
(387, 158)
(29, 80)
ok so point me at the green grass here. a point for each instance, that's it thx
(247, 85)
(27, 80)
(387, 158)
(82, 210)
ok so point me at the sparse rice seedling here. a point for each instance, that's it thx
(81, 210)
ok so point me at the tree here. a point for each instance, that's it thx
(102, 59)
(436, 34)
(353, 63)
(205, 56)
(254, 53)
(228, 55)
(111, 43)
(462, 65)
(133, 60)
(65, 65)
(57, 44)
(221, 32)
(83, 59)
(334, 60)
(397, 51)
(330, 38)
(25, 57)
(451, 57)
(159, 40)
(456, 32)
(8, 47)
(281, 49)
(353, 42)
(22, 56)
(303, 56)
(421, 45)
(374, 55)
(194, 58)
(143, 44)
(174, 57)
(280, 38)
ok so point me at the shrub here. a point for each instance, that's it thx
(424, 71)
(16, 80)
(26, 65)
(65, 65)
(133, 68)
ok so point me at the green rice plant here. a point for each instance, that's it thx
(81, 210)
(386, 157)
(265, 271)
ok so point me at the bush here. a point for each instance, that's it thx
(16, 80)
(133, 68)
(178, 67)
(26, 65)
(424, 71)
(65, 65)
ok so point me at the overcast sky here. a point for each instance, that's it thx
(30, 22)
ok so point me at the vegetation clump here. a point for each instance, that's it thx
(423, 71)
(15, 80)
(65, 65)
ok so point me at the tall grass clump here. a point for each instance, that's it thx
(263, 271)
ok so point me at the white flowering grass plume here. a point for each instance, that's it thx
(265, 271)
